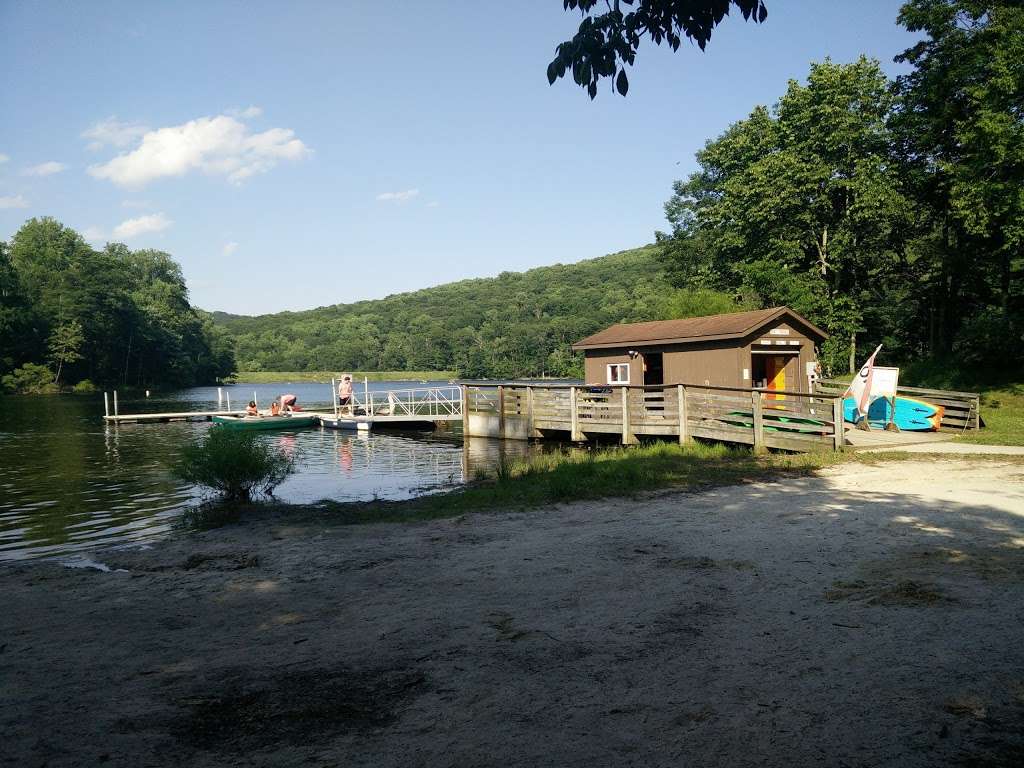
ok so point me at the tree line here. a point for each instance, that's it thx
(887, 211)
(516, 324)
(70, 314)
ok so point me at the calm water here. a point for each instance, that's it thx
(69, 483)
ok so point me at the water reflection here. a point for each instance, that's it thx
(70, 483)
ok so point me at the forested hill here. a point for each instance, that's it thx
(515, 324)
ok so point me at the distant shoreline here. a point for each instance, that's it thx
(267, 377)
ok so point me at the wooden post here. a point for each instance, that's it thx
(684, 431)
(574, 417)
(464, 407)
(228, 396)
(115, 402)
(529, 413)
(628, 438)
(755, 401)
(501, 412)
(977, 412)
(220, 398)
(106, 405)
(838, 427)
(334, 397)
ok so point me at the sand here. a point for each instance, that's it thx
(866, 616)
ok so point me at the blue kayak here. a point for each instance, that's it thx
(912, 415)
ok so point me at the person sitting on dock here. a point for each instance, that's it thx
(345, 392)
(251, 409)
(289, 403)
(275, 408)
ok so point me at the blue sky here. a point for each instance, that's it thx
(301, 154)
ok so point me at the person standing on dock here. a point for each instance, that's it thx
(345, 392)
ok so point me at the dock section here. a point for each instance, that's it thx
(763, 419)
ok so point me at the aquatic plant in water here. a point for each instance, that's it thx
(234, 465)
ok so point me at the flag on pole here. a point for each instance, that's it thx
(860, 387)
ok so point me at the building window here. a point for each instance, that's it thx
(618, 373)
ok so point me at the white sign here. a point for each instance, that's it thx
(884, 382)
(779, 331)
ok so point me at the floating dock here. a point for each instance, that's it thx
(763, 419)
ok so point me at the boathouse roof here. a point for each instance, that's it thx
(735, 325)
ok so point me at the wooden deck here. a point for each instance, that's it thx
(792, 421)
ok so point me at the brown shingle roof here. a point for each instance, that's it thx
(712, 327)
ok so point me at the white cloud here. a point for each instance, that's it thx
(4, 158)
(216, 145)
(433, 204)
(229, 248)
(13, 201)
(94, 235)
(130, 228)
(136, 204)
(112, 132)
(45, 169)
(398, 197)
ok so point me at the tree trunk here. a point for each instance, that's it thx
(128, 356)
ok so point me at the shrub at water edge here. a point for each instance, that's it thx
(30, 379)
(234, 465)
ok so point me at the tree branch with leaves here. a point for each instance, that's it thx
(606, 42)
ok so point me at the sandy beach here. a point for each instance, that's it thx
(865, 616)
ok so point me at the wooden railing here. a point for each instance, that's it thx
(794, 421)
(962, 410)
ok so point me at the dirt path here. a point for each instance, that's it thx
(857, 618)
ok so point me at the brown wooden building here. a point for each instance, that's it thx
(770, 348)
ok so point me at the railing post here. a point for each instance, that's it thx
(755, 401)
(501, 411)
(684, 431)
(574, 417)
(628, 438)
(464, 407)
(838, 425)
(529, 413)
(115, 402)
(106, 405)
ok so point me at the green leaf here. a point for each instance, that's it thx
(621, 83)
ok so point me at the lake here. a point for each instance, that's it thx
(69, 483)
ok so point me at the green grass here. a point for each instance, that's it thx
(580, 474)
(266, 377)
(1002, 410)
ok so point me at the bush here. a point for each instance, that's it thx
(30, 379)
(234, 465)
(84, 387)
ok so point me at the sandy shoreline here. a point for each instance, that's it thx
(853, 618)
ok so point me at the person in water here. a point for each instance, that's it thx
(251, 409)
(290, 403)
(345, 391)
(275, 408)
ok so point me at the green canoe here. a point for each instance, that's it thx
(294, 421)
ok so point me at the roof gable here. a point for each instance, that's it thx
(734, 325)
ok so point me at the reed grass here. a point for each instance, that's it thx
(580, 474)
